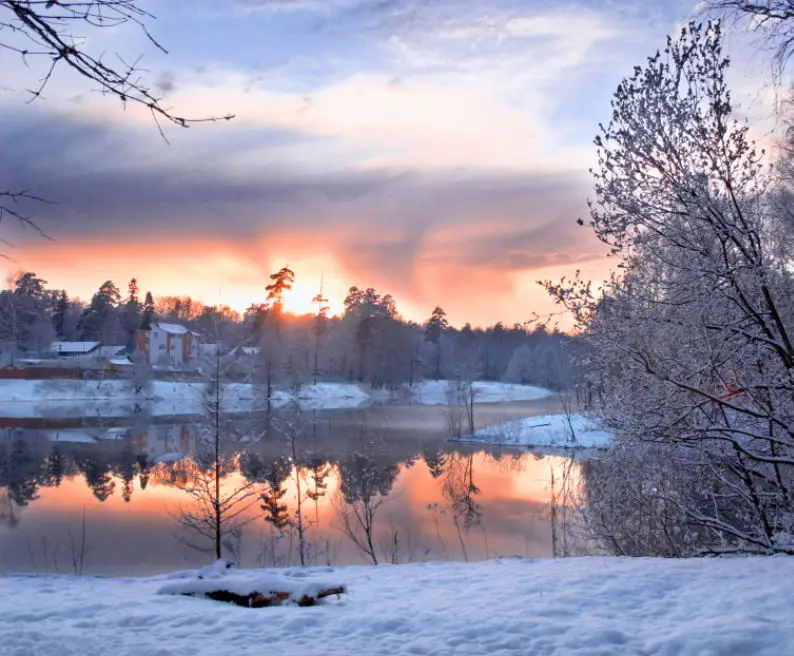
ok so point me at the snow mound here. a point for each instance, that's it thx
(257, 590)
(216, 570)
(437, 392)
(250, 590)
(557, 431)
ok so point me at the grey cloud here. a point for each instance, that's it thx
(376, 221)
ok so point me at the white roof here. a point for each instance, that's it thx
(172, 328)
(110, 351)
(73, 347)
(249, 350)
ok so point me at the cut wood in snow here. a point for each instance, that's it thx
(257, 592)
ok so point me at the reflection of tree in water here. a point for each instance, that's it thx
(435, 460)
(126, 468)
(275, 474)
(26, 464)
(21, 472)
(365, 483)
(318, 471)
(97, 476)
(216, 511)
(54, 468)
(364, 476)
(460, 490)
(143, 469)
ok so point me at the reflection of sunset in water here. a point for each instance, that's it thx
(476, 506)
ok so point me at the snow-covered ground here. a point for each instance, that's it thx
(595, 606)
(37, 398)
(331, 395)
(544, 431)
(437, 392)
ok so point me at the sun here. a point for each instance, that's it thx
(298, 300)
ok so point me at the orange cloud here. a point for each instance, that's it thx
(217, 272)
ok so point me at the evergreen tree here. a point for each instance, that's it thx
(25, 322)
(282, 282)
(99, 321)
(149, 312)
(59, 312)
(271, 337)
(131, 316)
(436, 325)
(319, 327)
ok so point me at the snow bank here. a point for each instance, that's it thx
(330, 395)
(36, 398)
(543, 430)
(63, 390)
(436, 392)
(595, 606)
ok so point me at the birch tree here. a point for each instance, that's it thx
(692, 343)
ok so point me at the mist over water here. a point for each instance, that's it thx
(434, 500)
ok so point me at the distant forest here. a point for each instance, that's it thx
(370, 342)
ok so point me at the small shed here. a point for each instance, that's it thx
(76, 349)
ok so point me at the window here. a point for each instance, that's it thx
(156, 334)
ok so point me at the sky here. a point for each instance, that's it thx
(434, 150)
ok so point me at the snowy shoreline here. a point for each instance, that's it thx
(30, 398)
(556, 607)
(557, 431)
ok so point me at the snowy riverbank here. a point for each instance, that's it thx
(437, 392)
(35, 398)
(553, 607)
(554, 431)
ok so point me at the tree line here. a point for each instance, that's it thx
(369, 342)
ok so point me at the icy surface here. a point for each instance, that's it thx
(594, 606)
(560, 431)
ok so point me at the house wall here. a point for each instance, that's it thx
(159, 345)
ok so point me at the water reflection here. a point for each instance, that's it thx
(341, 489)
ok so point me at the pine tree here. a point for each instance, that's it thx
(131, 318)
(282, 282)
(436, 325)
(149, 312)
(99, 321)
(319, 327)
(271, 337)
(60, 309)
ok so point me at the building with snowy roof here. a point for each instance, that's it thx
(76, 349)
(168, 344)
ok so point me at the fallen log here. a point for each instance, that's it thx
(257, 592)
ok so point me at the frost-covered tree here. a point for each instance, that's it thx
(691, 345)
(100, 321)
(773, 20)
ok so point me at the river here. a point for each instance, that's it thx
(107, 497)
